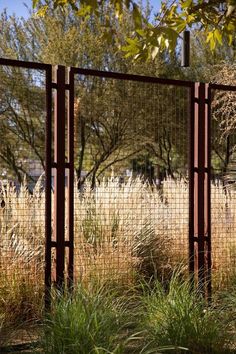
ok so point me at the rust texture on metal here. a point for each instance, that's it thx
(25, 64)
(201, 184)
(131, 77)
(200, 200)
(191, 182)
(59, 160)
(71, 178)
(47, 68)
(222, 87)
(209, 253)
(48, 178)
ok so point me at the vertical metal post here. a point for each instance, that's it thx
(191, 183)
(59, 164)
(201, 146)
(208, 166)
(48, 177)
(201, 196)
(185, 58)
(71, 178)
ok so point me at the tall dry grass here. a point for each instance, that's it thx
(223, 225)
(130, 227)
(121, 230)
(21, 253)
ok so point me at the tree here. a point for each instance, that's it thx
(216, 18)
(224, 119)
(22, 102)
(104, 135)
(116, 123)
(217, 67)
(107, 134)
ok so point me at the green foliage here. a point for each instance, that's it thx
(89, 321)
(216, 18)
(21, 120)
(179, 316)
(62, 38)
(145, 319)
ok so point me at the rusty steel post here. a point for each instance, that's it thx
(201, 146)
(59, 165)
(48, 177)
(71, 178)
(200, 202)
(191, 183)
(208, 166)
(185, 57)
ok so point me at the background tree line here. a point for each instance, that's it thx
(119, 125)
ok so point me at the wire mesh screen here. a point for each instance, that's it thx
(22, 199)
(131, 194)
(223, 191)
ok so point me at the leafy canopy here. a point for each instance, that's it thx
(216, 18)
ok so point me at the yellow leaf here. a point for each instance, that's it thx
(230, 39)
(212, 43)
(159, 39)
(84, 10)
(137, 17)
(181, 27)
(42, 11)
(218, 35)
(209, 36)
(154, 52)
(186, 4)
(35, 3)
(167, 43)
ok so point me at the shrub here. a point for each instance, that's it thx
(179, 316)
(87, 322)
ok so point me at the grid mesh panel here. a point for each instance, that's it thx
(223, 191)
(22, 211)
(131, 194)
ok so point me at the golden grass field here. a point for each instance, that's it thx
(121, 230)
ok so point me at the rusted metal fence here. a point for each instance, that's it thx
(223, 218)
(25, 116)
(131, 182)
(131, 215)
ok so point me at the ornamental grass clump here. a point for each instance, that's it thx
(21, 254)
(89, 321)
(129, 228)
(122, 231)
(179, 316)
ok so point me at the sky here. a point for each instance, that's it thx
(17, 6)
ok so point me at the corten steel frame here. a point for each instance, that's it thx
(200, 178)
(48, 160)
(199, 169)
(199, 174)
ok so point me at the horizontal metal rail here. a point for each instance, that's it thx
(222, 87)
(25, 64)
(131, 77)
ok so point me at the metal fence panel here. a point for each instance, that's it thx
(223, 192)
(134, 176)
(131, 196)
(25, 109)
